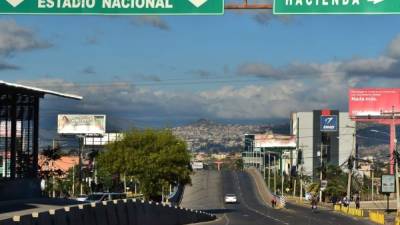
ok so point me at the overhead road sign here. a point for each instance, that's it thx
(336, 7)
(113, 7)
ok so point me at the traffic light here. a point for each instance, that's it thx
(293, 171)
(299, 157)
(350, 163)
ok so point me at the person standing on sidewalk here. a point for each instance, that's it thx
(357, 201)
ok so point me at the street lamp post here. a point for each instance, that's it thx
(396, 164)
(320, 174)
(269, 170)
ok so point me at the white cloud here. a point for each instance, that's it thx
(393, 49)
(15, 38)
(227, 102)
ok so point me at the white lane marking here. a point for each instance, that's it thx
(250, 208)
(227, 219)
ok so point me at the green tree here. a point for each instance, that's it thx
(48, 169)
(155, 158)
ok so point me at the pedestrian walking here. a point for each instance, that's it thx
(345, 201)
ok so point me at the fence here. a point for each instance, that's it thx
(121, 212)
(377, 217)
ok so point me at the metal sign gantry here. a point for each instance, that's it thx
(247, 5)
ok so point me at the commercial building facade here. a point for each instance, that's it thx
(264, 150)
(323, 137)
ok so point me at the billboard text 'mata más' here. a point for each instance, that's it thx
(373, 101)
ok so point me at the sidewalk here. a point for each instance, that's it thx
(389, 217)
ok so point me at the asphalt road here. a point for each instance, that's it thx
(250, 210)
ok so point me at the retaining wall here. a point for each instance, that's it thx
(262, 188)
(121, 212)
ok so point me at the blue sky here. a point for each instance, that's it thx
(171, 70)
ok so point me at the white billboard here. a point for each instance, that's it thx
(105, 139)
(81, 124)
(388, 184)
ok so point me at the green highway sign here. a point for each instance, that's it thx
(336, 7)
(113, 7)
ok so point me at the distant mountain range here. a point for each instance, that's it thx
(207, 135)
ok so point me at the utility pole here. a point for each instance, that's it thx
(320, 174)
(80, 163)
(301, 187)
(264, 164)
(274, 174)
(282, 178)
(52, 168)
(350, 167)
(372, 186)
(269, 170)
(396, 174)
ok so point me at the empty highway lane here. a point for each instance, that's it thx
(209, 188)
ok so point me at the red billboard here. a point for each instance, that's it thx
(373, 101)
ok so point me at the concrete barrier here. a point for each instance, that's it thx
(87, 214)
(132, 212)
(9, 221)
(27, 220)
(111, 209)
(349, 210)
(59, 217)
(123, 212)
(262, 188)
(377, 217)
(74, 215)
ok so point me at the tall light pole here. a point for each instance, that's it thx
(282, 177)
(274, 174)
(269, 170)
(395, 154)
(350, 167)
(320, 173)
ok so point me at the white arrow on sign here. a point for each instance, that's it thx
(376, 1)
(15, 3)
(199, 3)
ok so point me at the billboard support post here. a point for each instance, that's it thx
(392, 146)
(397, 176)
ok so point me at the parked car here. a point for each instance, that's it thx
(81, 198)
(98, 197)
(230, 198)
